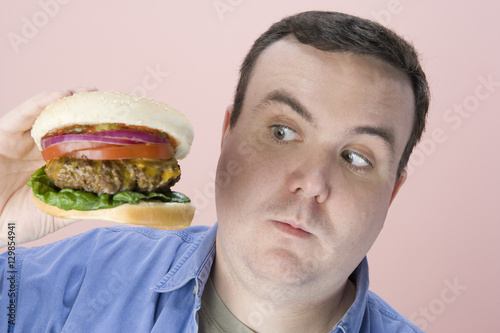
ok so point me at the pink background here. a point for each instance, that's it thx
(437, 259)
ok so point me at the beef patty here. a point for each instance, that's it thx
(112, 176)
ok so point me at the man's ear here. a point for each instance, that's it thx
(399, 183)
(225, 124)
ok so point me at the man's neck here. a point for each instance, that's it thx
(277, 312)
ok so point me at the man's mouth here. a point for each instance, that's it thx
(291, 228)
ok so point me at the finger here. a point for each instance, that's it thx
(76, 90)
(22, 117)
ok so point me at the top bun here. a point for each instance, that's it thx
(96, 107)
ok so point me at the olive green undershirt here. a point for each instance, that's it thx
(214, 316)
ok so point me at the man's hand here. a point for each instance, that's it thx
(19, 158)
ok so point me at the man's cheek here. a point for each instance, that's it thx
(226, 173)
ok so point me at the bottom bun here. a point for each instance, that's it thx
(168, 216)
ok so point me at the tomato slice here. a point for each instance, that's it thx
(159, 151)
(63, 148)
(100, 151)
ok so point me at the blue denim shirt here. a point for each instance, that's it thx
(137, 279)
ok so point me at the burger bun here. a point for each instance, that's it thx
(167, 216)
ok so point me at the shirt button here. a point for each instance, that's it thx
(194, 291)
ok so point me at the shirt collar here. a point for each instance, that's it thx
(351, 321)
(196, 262)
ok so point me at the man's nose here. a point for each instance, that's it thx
(311, 177)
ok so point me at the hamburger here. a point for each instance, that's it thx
(112, 156)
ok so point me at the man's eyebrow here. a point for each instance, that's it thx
(386, 134)
(284, 97)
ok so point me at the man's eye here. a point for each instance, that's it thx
(284, 133)
(355, 159)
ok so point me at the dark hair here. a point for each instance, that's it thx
(337, 32)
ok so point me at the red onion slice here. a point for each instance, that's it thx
(120, 137)
(133, 135)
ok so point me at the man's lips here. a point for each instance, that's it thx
(291, 228)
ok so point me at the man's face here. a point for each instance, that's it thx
(307, 174)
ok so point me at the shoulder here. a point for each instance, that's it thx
(90, 271)
(121, 250)
(124, 235)
(118, 243)
(143, 235)
(383, 315)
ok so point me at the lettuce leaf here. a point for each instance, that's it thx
(68, 198)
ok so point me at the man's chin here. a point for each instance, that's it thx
(281, 266)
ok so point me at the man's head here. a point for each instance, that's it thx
(338, 32)
(309, 165)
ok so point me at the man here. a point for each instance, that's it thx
(327, 111)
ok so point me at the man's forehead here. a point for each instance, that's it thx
(290, 50)
(310, 65)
